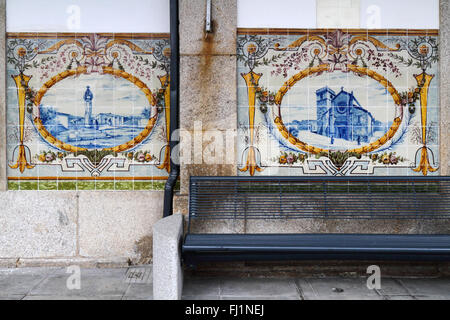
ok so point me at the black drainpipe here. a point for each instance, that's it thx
(174, 105)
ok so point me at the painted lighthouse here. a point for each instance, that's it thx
(88, 97)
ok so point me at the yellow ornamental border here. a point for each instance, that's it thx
(320, 68)
(82, 70)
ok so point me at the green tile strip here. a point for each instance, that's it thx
(143, 185)
(28, 185)
(124, 185)
(86, 185)
(67, 185)
(13, 185)
(158, 185)
(48, 185)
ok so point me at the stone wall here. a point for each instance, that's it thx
(207, 79)
(65, 227)
(104, 227)
(59, 227)
(85, 227)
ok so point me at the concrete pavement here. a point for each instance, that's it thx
(134, 283)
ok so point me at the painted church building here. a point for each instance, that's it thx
(341, 116)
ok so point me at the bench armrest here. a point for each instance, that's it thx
(167, 271)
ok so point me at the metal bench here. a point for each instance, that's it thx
(285, 198)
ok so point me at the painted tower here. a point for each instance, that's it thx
(342, 116)
(324, 98)
(88, 97)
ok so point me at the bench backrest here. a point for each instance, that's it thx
(319, 197)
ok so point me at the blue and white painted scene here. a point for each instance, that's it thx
(339, 114)
(95, 114)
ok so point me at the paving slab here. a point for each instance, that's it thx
(259, 287)
(427, 286)
(13, 297)
(262, 298)
(322, 288)
(124, 283)
(94, 282)
(137, 298)
(111, 272)
(19, 284)
(432, 297)
(139, 291)
(399, 297)
(206, 297)
(58, 297)
(348, 297)
(30, 270)
(391, 287)
(201, 287)
(139, 275)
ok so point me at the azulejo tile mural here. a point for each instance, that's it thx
(88, 111)
(338, 102)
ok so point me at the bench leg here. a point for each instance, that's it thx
(167, 270)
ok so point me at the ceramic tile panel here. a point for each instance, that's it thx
(338, 102)
(87, 111)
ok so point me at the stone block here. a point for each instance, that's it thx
(342, 226)
(167, 271)
(210, 94)
(204, 170)
(444, 57)
(218, 226)
(112, 222)
(193, 38)
(38, 224)
(181, 204)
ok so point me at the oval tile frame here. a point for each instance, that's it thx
(321, 68)
(106, 70)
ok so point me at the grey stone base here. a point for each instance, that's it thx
(167, 270)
